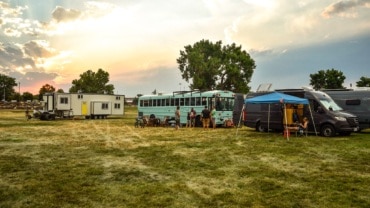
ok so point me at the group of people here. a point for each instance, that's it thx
(208, 117)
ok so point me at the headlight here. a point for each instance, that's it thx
(341, 118)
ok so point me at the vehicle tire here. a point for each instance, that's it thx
(327, 130)
(259, 128)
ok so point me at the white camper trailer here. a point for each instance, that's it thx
(67, 105)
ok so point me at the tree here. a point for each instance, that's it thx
(213, 66)
(91, 82)
(27, 96)
(329, 79)
(6, 87)
(46, 89)
(364, 82)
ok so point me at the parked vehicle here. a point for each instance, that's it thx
(162, 106)
(327, 117)
(356, 102)
(67, 105)
(238, 112)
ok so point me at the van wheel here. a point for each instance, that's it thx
(327, 130)
(259, 128)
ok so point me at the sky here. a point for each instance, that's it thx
(138, 41)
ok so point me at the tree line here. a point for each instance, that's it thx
(89, 82)
(204, 65)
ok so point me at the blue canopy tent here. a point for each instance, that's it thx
(277, 97)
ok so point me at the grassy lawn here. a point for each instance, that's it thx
(110, 163)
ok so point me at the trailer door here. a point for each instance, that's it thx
(84, 109)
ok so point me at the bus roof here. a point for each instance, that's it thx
(220, 93)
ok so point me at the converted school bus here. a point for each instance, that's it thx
(67, 105)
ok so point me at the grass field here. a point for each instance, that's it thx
(109, 163)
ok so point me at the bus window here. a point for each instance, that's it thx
(146, 103)
(204, 101)
(197, 101)
(187, 101)
(182, 101)
(219, 106)
(154, 102)
(168, 102)
(172, 101)
(192, 101)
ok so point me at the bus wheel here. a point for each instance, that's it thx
(259, 128)
(327, 130)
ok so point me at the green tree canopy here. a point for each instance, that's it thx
(27, 96)
(46, 89)
(213, 66)
(364, 82)
(329, 79)
(91, 82)
(7, 85)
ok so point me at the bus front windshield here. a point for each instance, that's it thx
(224, 104)
(330, 104)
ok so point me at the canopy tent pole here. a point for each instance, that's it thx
(286, 122)
(240, 118)
(313, 121)
(268, 121)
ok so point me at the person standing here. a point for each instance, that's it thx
(193, 115)
(213, 117)
(177, 117)
(206, 117)
(188, 120)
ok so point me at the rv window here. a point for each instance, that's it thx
(64, 100)
(353, 102)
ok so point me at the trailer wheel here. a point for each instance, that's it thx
(328, 130)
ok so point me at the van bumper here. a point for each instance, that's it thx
(343, 126)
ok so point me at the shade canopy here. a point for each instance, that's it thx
(276, 97)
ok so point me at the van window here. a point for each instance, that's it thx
(329, 104)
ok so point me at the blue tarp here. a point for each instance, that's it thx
(276, 97)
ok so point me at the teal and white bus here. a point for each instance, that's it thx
(163, 106)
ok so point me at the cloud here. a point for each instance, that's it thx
(341, 8)
(61, 14)
(38, 49)
(12, 56)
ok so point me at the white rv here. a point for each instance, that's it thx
(67, 105)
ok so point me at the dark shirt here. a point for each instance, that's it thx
(206, 113)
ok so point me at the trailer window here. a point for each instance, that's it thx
(64, 100)
(117, 106)
(104, 106)
(80, 96)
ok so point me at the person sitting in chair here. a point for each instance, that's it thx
(302, 127)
